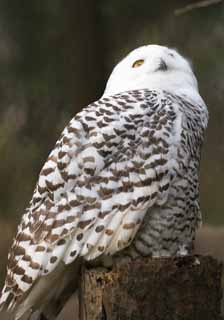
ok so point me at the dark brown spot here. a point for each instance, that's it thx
(109, 232)
(27, 279)
(84, 223)
(19, 251)
(129, 126)
(61, 242)
(54, 187)
(64, 175)
(73, 253)
(36, 199)
(74, 203)
(103, 214)
(89, 159)
(108, 137)
(73, 130)
(89, 171)
(90, 199)
(98, 145)
(129, 225)
(62, 165)
(164, 187)
(153, 195)
(53, 259)
(107, 119)
(53, 237)
(65, 140)
(124, 206)
(101, 248)
(40, 249)
(27, 258)
(18, 270)
(101, 124)
(79, 236)
(47, 171)
(70, 219)
(115, 108)
(34, 265)
(58, 223)
(105, 193)
(41, 189)
(88, 118)
(99, 228)
(61, 154)
(64, 232)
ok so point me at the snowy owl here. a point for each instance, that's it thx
(123, 175)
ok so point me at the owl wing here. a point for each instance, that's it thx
(112, 163)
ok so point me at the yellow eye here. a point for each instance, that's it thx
(138, 63)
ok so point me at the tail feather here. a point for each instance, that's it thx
(6, 298)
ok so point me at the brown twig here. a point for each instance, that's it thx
(198, 5)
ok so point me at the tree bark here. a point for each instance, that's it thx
(184, 288)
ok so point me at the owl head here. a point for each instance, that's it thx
(152, 67)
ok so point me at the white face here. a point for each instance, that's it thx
(152, 67)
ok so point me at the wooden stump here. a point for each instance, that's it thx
(186, 288)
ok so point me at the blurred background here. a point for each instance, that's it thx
(55, 58)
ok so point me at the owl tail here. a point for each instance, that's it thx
(50, 293)
(7, 299)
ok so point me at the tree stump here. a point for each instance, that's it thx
(183, 288)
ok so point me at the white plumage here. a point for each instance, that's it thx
(124, 173)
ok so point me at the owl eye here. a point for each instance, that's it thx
(138, 63)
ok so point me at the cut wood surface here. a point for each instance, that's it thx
(183, 288)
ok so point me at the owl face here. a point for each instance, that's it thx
(151, 67)
(154, 58)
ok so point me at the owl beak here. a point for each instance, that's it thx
(162, 65)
